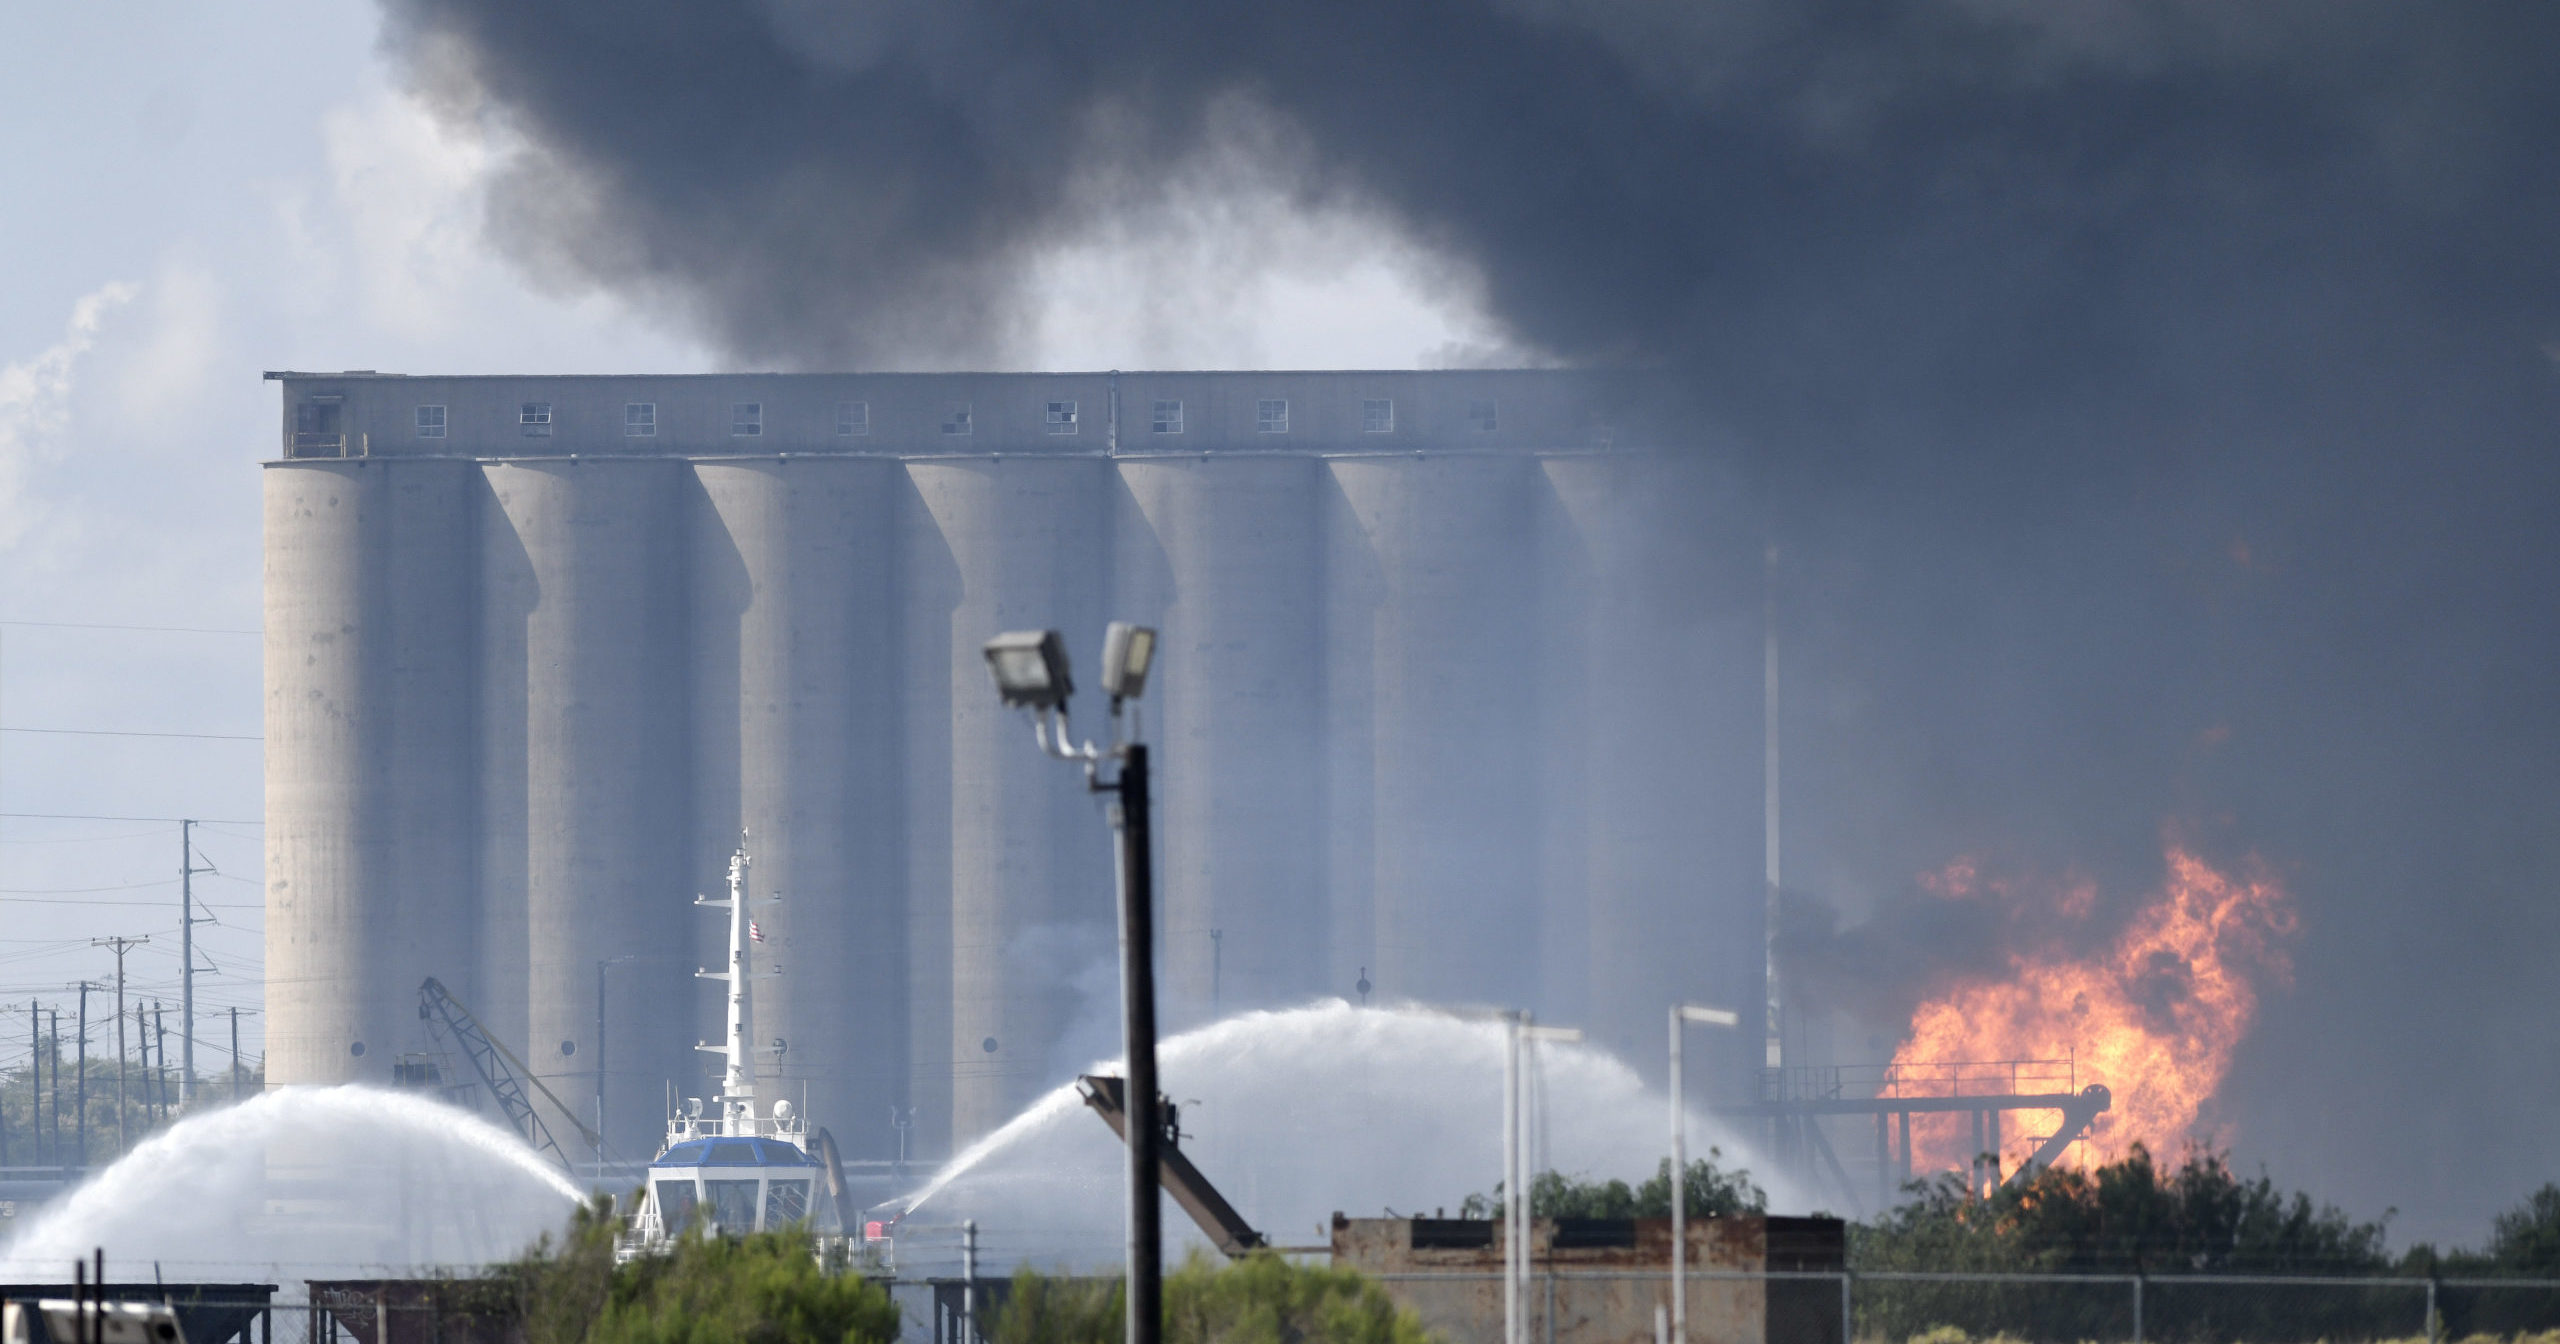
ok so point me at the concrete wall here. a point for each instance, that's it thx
(1584, 1293)
(1463, 703)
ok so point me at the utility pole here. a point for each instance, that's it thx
(187, 922)
(80, 1111)
(160, 1057)
(53, 1037)
(120, 945)
(235, 1052)
(35, 1081)
(1217, 969)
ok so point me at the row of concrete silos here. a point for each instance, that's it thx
(1477, 724)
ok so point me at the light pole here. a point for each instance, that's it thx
(1030, 670)
(1519, 1031)
(1681, 1015)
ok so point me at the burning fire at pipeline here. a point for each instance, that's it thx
(2155, 1016)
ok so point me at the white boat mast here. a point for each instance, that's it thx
(737, 1090)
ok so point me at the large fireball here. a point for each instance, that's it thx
(2155, 1016)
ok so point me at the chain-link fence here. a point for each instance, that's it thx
(1613, 1307)
(1576, 1306)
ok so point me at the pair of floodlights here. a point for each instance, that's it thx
(1030, 666)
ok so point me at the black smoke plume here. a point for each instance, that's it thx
(2152, 403)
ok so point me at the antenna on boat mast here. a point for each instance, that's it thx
(737, 1090)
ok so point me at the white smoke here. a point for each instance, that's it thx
(304, 1183)
(1297, 1114)
(35, 404)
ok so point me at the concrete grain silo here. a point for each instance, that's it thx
(1428, 705)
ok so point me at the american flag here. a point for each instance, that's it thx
(755, 931)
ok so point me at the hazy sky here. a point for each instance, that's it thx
(196, 194)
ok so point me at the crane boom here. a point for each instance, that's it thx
(500, 1071)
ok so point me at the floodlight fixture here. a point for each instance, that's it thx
(1030, 668)
(1709, 1017)
(1127, 650)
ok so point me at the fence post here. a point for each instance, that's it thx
(2137, 1309)
(1848, 1328)
(2434, 1324)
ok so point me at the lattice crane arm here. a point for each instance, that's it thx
(500, 1071)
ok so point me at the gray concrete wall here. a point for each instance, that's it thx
(1223, 556)
(326, 654)
(1468, 705)
(795, 592)
(1030, 880)
(604, 768)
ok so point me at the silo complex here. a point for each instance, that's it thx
(1456, 680)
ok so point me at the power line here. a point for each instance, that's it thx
(66, 900)
(76, 891)
(128, 732)
(93, 816)
(157, 629)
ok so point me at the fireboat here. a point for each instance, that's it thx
(733, 1169)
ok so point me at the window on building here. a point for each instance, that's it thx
(640, 419)
(1167, 418)
(1062, 417)
(431, 422)
(1480, 417)
(1271, 415)
(1378, 416)
(746, 418)
(853, 417)
(956, 419)
(536, 419)
(319, 427)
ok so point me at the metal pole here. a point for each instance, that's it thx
(1679, 1193)
(968, 1280)
(1138, 1023)
(1510, 1177)
(53, 1095)
(186, 962)
(160, 1056)
(2137, 1309)
(600, 965)
(1774, 1048)
(35, 1080)
(235, 1053)
(1848, 1331)
(120, 945)
(80, 1109)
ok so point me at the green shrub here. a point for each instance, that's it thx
(1261, 1299)
(760, 1289)
(1711, 1192)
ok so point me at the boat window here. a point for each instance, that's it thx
(675, 1203)
(741, 1154)
(733, 1204)
(785, 1203)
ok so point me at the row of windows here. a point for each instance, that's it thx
(853, 418)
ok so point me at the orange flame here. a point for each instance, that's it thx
(2155, 1017)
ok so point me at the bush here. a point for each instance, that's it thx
(1711, 1192)
(760, 1289)
(1261, 1299)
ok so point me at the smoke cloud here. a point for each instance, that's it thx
(2151, 403)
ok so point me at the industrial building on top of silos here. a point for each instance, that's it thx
(1458, 697)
